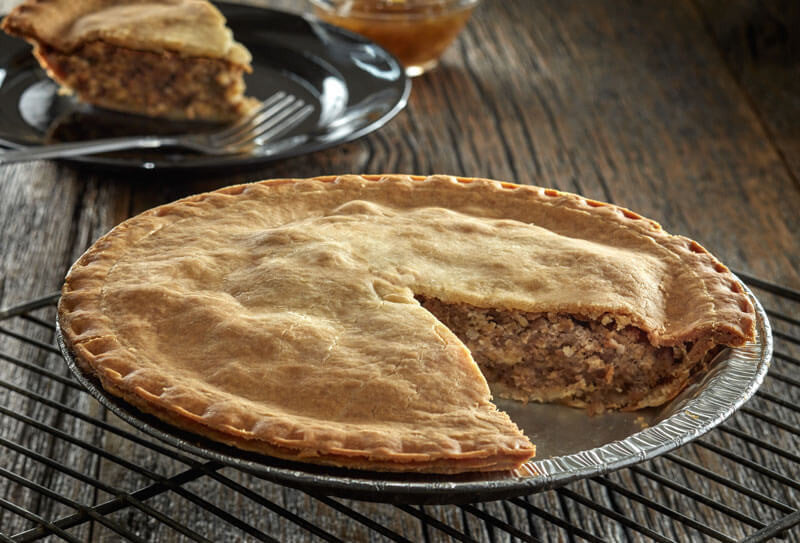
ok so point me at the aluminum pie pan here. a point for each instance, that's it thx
(571, 444)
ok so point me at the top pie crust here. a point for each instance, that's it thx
(280, 316)
(188, 27)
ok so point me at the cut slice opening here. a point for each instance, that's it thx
(164, 84)
(599, 364)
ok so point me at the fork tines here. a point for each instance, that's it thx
(277, 113)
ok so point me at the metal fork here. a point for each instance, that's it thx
(276, 115)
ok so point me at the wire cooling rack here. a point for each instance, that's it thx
(71, 471)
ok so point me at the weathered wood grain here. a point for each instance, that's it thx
(760, 44)
(684, 112)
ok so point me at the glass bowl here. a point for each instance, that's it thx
(417, 32)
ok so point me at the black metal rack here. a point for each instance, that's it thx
(68, 471)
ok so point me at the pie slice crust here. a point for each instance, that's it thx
(159, 58)
(330, 320)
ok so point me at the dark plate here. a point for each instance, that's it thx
(570, 444)
(355, 86)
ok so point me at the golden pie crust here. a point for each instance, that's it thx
(281, 316)
(161, 58)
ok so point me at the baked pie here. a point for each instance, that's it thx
(160, 58)
(361, 321)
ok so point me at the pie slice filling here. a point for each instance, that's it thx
(164, 84)
(556, 357)
(172, 59)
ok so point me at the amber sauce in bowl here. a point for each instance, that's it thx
(417, 32)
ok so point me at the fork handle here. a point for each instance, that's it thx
(79, 148)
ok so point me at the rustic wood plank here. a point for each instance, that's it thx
(649, 119)
(759, 42)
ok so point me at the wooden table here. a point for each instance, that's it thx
(686, 112)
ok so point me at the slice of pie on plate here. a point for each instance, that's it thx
(355, 321)
(159, 58)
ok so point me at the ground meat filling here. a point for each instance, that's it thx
(558, 357)
(154, 84)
